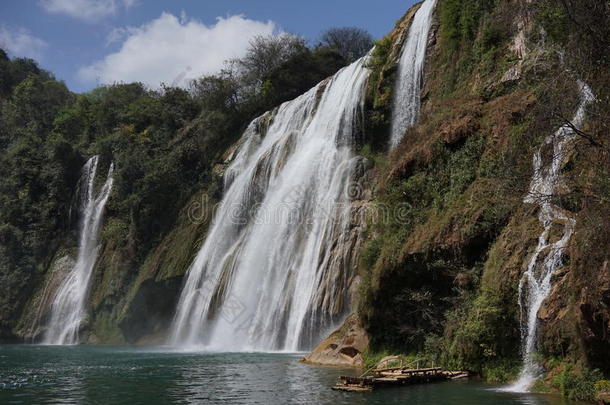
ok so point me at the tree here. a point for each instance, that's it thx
(275, 69)
(217, 92)
(351, 42)
(267, 53)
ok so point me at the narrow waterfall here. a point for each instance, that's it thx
(266, 277)
(535, 284)
(68, 307)
(406, 102)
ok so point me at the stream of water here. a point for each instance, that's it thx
(68, 308)
(535, 285)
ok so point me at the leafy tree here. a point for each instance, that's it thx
(351, 42)
(267, 53)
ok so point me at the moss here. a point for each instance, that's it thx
(104, 330)
(473, 37)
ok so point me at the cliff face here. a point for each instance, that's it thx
(443, 279)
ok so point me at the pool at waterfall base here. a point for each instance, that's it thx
(36, 374)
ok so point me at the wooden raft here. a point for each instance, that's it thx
(396, 376)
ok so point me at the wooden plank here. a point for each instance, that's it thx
(397, 376)
(386, 379)
(353, 388)
(405, 369)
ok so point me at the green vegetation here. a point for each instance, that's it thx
(38, 169)
(372, 358)
(573, 382)
(378, 101)
(474, 35)
(460, 21)
(440, 189)
(163, 143)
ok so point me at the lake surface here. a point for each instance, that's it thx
(124, 375)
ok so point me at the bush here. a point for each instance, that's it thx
(602, 386)
(117, 231)
(577, 384)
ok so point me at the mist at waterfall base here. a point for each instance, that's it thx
(127, 375)
(68, 306)
(535, 285)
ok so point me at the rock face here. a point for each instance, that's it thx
(30, 327)
(343, 347)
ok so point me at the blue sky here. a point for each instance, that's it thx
(91, 42)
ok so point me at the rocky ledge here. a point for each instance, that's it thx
(343, 347)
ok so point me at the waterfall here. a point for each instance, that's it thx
(406, 102)
(535, 284)
(68, 306)
(268, 276)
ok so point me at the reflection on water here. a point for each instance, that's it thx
(110, 375)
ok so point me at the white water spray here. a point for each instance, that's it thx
(68, 307)
(406, 102)
(269, 276)
(535, 284)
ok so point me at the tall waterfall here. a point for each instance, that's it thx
(68, 307)
(535, 284)
(406, 103)
(266, 277)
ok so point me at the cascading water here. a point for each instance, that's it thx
(535, 284)
(406, 102)
(68, 307)
(266, 277)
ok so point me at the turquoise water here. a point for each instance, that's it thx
(121, 375)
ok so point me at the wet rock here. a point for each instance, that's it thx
(343, 347)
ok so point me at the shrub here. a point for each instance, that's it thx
(577, 384)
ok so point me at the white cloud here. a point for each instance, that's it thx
(172, 50)
(87, 10)
(117, 35)
(20, 42)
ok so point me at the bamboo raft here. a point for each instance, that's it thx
(392, 376)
